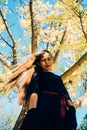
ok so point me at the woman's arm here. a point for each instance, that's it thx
(33, 101)
(34, 91)
(63, 90)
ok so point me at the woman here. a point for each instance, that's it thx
(47, 98)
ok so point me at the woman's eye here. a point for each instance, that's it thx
(48, 59)
(43, 60)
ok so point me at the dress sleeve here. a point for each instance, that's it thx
(63, 89)
(34, 84)
(32, 87)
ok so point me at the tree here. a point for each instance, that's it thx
(83, 125)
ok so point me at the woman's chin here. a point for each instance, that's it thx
(47, 69)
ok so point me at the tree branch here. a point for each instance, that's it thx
(85, 35)
(2, 38)
(81, 101)
(74, 67)
(11, 37)
(61, 42)
(7, 28)
(4, 60)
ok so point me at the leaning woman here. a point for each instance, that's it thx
(50, 106)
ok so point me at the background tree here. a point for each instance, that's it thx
(83, 125)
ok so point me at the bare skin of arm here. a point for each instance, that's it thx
(33, 101)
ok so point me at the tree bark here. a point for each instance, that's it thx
(33, 28)
(20, 118)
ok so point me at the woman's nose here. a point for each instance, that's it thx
(47, 61)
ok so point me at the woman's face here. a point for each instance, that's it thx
(46, 61)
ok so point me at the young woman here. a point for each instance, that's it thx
(47, 98)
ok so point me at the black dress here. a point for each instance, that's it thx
(47, 116)
(50, 89)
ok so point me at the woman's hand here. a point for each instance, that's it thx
(37, 53)
(69, 102)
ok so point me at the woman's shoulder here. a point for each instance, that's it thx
(54, 75)
(50, 75)
(57, 77)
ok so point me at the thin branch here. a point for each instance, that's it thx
(7, 28)
(85, 35)
(61, 42)
(47, 45)
(2, 38)
(81, 101)
(4, 60)
(22, 2)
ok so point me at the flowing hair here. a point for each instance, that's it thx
(22, 73)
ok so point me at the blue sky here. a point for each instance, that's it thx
(84, 3)
(18, 32)
(80, 114)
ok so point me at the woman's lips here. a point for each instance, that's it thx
(48, 66)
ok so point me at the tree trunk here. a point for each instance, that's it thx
(33, 28)
(20, 118)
